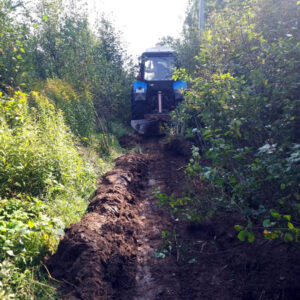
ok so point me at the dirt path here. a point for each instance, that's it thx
(157, 278)
(109, 254)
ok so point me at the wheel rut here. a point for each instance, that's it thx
(156, 278)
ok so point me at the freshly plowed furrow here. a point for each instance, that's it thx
(109, 254)
(97, 257)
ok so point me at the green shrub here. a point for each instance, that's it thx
(44, 185)
(77, 107)
(244, 105)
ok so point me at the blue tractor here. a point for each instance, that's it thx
(155, 93)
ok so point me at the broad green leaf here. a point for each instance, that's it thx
(246, 234)
(10, 253)
(276, 215)
(238, 227)
(288, 237)
(242, 235)
(251, 236)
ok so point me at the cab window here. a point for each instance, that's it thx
(159, 68)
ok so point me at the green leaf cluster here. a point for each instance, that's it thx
(44, 185)
(53, 40)
(62, 81)
(243, 107)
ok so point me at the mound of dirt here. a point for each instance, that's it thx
(179, 146)
(96, 258)
(129, 141)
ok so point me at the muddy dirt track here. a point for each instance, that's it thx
(109, 254)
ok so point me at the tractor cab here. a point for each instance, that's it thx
(157, 66)
(155, 93)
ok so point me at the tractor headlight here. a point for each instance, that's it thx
(139, 95)
(139, 91)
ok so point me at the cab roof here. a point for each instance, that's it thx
(159, 51)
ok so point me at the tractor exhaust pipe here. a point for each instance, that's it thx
(160, 102)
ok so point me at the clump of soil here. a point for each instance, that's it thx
(96, 258)
(179, 146)
(130, 140)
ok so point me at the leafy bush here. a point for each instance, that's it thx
(49, 148)
(37, 150)
(84, 65)
(78, 108)
(12, 47)
(244, 105)
(44, 184)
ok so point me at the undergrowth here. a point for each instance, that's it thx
(46, 177)
(51, 140)
(242, 108)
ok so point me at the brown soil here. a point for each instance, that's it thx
(109, 254)
(130, 140)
